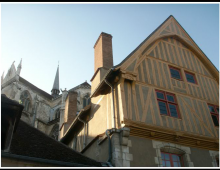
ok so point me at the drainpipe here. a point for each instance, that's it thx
(84, 137)
(112, 101)
(109, 147)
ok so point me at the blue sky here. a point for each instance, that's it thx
(43, 34)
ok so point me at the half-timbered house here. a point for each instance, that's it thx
(158, 107)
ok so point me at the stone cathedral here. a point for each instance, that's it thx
(43, 110)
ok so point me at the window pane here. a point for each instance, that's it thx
(168, 164)
(190, 78)
(162, 155)
(167, 157)
(173, 110)
(163, 163)
(163, 108)
(170, 98)
(211, 109)
(160, 95)
(175, 73)
(175, 158)
(217, 109)
(215, 120)
(175, 164)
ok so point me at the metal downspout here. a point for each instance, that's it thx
(109, 148)
(84, 137)
(112, 101)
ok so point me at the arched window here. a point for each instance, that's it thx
(55, 132)
(172, 155)
(86, 100)
(25, 100)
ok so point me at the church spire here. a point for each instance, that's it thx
(55, 90)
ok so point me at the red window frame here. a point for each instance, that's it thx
(216, 114)
(194, 76)
(177, 69)
(165, 100)
(171, 159)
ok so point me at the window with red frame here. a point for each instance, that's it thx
(167, 104)
(190, 77)
(214, 110)
(171, 160)
(175, 73)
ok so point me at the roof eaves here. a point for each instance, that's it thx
(102, 82)
(74, 122)
(41, 160)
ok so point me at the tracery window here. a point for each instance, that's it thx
(25, 100)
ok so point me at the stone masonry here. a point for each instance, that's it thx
(120, 148)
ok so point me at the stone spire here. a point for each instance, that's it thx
(19, 68)
(55, 90)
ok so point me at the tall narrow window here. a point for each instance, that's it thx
(171, 160)
(25, 100)
(190, 77)
(57, 114)
(175, 73)
(167, 104)
(86, 100)
(214, 110)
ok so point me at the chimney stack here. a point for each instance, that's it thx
(103, 58)
(103, 51)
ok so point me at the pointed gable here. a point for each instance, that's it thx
(169, 30)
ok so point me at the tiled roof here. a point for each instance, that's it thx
(29, 141)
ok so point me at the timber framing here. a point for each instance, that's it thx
(185, 39)
(167, 135)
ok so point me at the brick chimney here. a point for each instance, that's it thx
(103, 51)
(103, 59)
(69, 112)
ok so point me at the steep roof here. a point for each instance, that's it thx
(35, 88)
(82, 85)
(160, 32)
(30, 142)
